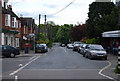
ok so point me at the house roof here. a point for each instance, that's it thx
(9, 11)
(29, 22)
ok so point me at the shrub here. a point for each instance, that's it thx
(116, 70)
(91, 41)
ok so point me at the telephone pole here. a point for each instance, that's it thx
(45, 28)
(39, 23)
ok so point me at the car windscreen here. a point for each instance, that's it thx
(97, 47)
(39, 45)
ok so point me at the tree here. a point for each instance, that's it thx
(78, 32)
(102, 17)
(63, 33)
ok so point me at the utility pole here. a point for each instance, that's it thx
(39, 23)
(45, 28)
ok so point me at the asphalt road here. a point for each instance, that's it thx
(58, 63)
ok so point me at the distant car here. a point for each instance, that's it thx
(76, 45)
(77, 42)
(96, 51)
(63, 45)
(70, 46)
(41, 48)
(9, 51)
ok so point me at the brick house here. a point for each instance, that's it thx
(11, 27)
(27, 32)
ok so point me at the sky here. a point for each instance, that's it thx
(76, 13)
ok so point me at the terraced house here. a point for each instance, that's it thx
(11, 26)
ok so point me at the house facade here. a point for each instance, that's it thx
(11, 27)
(27, 32)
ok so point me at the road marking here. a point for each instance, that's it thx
(100, 72)
(32, 57)
(16, 78)
(65, 50)
(23, 66)
(20, 65)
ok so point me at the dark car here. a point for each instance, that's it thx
(41, 48)
(96, 51)
(9, 51)
(84, 49)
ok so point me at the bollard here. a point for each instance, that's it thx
(119, 58)
(119, 62)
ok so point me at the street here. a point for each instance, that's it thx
(58, 63)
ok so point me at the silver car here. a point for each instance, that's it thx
(96, 51)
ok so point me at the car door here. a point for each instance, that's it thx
(5, 50)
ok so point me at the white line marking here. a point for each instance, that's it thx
(23, 66)
(32, 57)
(16, 78)
(100, 72)
(65, 50)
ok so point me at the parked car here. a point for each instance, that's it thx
(76, 45)
(80, 47)
(9, 51)
(84, 49)
(70, 46)
(41, 48)
(96, 51)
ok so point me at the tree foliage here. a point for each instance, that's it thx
(102, 17)
(63, 34)
(78, 32)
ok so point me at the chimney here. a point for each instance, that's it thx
(5, 4)
(10, 7)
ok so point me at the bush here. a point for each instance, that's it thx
(116, 70)
(91, 41)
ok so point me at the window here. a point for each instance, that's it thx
(20, 25)
(6, 41)
(7, 20)
(17, 42)
(16, 24)
(11, 41)
(13, 22)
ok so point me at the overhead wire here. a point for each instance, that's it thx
(62, 8)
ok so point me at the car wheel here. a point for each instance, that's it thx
(105, 58)
(90, 57)
(86, 56)
(83, 55)
(12, 55)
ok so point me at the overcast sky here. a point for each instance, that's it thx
(76, 12)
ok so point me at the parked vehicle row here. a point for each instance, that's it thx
(9, 51)
(91, 51)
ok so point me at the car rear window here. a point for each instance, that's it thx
(97, 47)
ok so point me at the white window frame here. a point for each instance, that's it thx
(19, 24)
(14, 22)
(7, 20)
